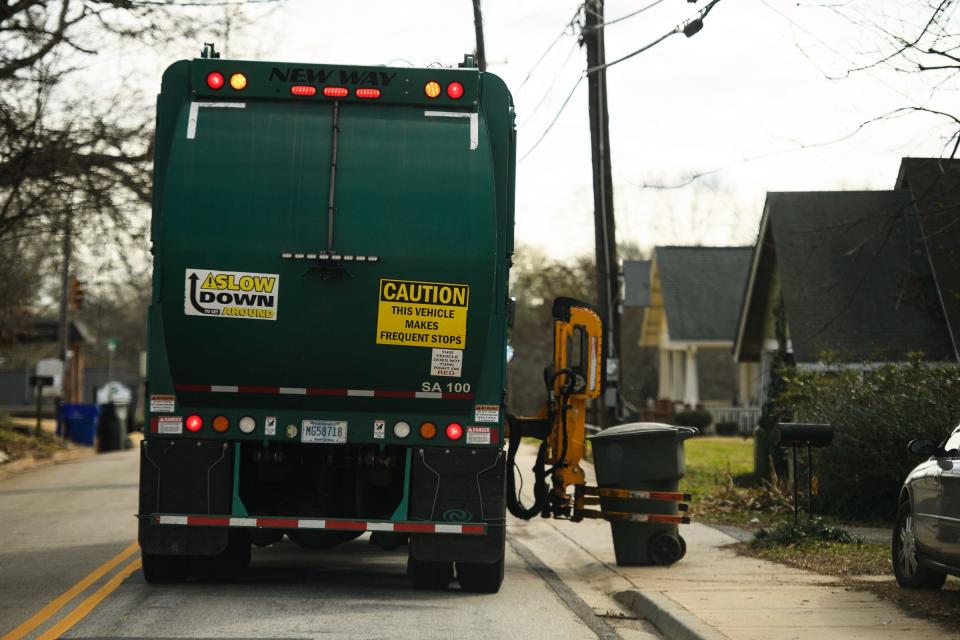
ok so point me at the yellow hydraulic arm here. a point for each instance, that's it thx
(573, 379)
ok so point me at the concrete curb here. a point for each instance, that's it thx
(16, 467)
(671, 619)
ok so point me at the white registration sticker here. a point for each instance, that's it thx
(323, 431)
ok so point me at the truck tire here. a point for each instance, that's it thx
(909, 572)
(478, 577)
(424, 574)
(165, 569)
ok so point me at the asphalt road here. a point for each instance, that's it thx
(68, 569)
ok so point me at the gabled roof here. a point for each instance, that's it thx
(854, 277)
(702, 288)
(934, 184)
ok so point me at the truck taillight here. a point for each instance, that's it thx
(428, 430)
(454, 431)
(335, 92)
(303, 90)
(432, 89)
(455, 90)
(221, 424)
(215, 80)
(194, 423)
(367, 93)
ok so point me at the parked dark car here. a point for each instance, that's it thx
(926, 536)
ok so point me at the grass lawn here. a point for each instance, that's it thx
(710, 459)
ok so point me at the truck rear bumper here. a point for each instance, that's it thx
(330, 524)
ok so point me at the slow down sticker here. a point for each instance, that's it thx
(231, 294)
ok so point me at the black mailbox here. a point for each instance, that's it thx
(41, 381)
(798, 434)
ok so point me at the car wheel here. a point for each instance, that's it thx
(906, 565)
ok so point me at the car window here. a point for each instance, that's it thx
(952, 445)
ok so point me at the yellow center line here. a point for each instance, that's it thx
(88, 605)
(55, 605)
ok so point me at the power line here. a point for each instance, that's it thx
(629, 15)
(688, 28)
(568, 29)
(543, 135)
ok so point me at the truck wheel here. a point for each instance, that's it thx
(429, 575)
(478, 577)
(164, 569)
(909, 572)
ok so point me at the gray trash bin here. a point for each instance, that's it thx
(645, 456)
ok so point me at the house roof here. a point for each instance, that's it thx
(702, 288)
(934, 184)
(854, 277)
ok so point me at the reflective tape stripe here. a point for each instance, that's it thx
(315, 523)
(314, 391)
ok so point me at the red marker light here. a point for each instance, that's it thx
(303, 90)
(455, 90)
(194, 423)
(335, 92)
(454, 431)
(367, 93)
(215, 80)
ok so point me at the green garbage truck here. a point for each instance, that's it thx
(328, 325)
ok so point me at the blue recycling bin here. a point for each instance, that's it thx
(78, 422)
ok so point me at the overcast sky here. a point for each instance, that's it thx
(752, 82)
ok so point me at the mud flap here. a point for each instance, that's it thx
(180, 476)
(458, 485)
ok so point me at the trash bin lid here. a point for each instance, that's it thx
(643, 429)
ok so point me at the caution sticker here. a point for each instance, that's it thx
(486, 413)
(170, 425)
(478, 435)
(231, 294)
(423, 314)
(379, 429)
(270, 426)
(162, 403)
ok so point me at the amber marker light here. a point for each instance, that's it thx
(428, 430)
(238, 82)
(432, 89)
(221, 424)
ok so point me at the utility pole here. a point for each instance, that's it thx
(608, 268)
(478, 27)
(64, 309)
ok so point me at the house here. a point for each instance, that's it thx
(31, 341)
(691, 318)
(846, 274)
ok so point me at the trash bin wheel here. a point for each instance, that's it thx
(165, 569)
(433, 576)
(683, 547)
(664, 549)
(479, 577)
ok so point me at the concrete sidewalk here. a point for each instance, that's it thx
(715, 593)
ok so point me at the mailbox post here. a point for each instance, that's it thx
(38, 383)
(796, 435)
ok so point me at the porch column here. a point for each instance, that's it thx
(691, 391)
(666, 375)
(676, 387)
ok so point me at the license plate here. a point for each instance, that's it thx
(324, 431)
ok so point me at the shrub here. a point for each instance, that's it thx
(788, 534)
(699, 419)
(875, 413)
(728, 428)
